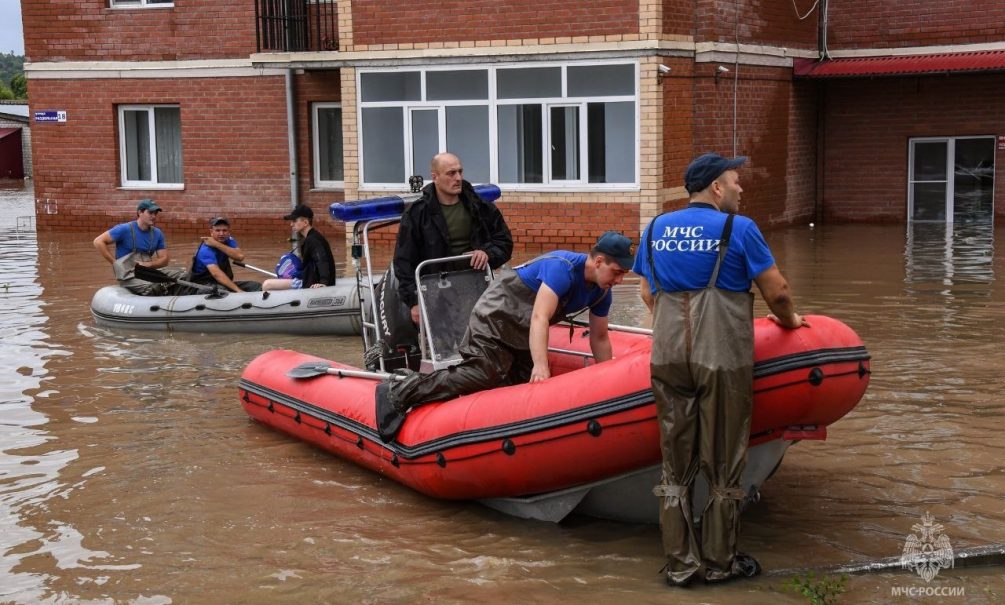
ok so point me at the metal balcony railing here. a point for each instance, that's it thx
(296, 25)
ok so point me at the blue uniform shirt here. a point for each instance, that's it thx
(563, 272)
(206, 256)
(685, 245)
(147, 242)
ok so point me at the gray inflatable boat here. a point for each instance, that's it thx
(329, 310)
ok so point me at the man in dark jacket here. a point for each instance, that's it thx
(449, 220)
(316, 254)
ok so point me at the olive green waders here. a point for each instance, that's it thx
(702, 379)
(495, 348)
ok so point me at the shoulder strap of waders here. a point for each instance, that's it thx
(727, 231)
(649, 253)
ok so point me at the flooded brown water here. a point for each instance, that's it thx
(130, 474)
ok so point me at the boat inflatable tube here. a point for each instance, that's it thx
(329, 310)
(588, 422)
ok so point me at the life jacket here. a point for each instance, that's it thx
(290, 266)
(204, 276)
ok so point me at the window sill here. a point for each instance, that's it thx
(152, 187)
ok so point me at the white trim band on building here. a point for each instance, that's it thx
(203, 68)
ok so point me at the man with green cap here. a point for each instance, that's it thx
(697, 265)
(139, 242)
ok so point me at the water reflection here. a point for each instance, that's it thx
(949, 253)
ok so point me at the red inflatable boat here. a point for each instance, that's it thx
(548, 444)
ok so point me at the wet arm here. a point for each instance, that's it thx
(775, 291)
(645, 292)
(600, 339)
(545, 304)
(102, 244)
(222, 279)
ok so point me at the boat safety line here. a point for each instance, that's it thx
(433, 446)
(786, 363)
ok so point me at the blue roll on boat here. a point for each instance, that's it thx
(392, 206)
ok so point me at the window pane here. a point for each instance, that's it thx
(468, 139)
(929, 201)
(974, 180)
(330, 144)
(383, 132)
(520, 132)
(930, 161)
(167, 135)
(457, 85)
(529, 83)
(611, 142)
(565, 143)
(137, 137)
(391, 86)
(425, 140)
(601, 80)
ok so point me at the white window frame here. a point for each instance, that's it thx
(123, 160)
(950, 180)
(121, 4)
(493, 103)
(318, 183)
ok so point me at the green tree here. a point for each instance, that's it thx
(19, 86)
(5, 93)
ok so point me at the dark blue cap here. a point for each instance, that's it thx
(706, 168)
(616, 247)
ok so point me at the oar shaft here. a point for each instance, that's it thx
(254, 268)
(363, 374)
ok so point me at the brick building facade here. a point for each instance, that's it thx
(564, 104)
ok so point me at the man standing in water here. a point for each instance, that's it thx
(697, 265)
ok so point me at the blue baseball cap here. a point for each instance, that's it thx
(706, 168)
(616, 247)
(148, 204)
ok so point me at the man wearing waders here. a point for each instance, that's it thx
(696, 266)
(507, 337)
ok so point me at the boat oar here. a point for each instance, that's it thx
(975, 556)
(313, 369)
(158, 277)
(254, 268)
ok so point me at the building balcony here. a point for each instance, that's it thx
(296, 25)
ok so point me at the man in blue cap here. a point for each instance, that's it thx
(139, 242)
(507, 337)
(697, 265)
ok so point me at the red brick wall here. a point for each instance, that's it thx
(868, 125)
(233, 140)
(405, 21)
(314, 87)
(678, 17)
(678, 127)
(770, 22)
(775, 128)
(871, 24)
(87, 30)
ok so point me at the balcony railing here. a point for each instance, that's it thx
(296, 25)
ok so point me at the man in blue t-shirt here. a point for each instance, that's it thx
(139, 242)
(697, 265)
(507, 337)
(211, 263)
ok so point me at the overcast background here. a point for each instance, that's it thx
(11, 37)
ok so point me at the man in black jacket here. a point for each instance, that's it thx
(316, 254)
(449, 220)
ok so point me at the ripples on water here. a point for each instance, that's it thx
(129, 472)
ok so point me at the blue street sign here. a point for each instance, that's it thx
(50, 115)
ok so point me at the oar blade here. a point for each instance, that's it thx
(309, 369)
(152, 275)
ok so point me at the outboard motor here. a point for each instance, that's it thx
(397, 337)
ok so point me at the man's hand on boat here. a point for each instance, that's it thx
(540, 373)
(792, 322)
